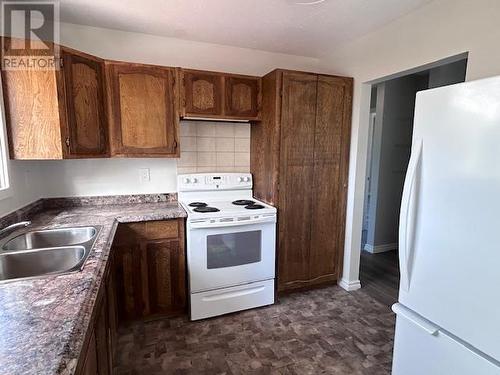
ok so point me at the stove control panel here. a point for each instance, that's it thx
(214, 181)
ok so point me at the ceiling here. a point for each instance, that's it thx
(269, 25)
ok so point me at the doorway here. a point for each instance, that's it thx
(392, 107)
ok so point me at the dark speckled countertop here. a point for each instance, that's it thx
(43, 321)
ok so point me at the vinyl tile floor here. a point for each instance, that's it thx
(323, 331)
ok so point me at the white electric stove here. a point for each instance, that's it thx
(231, 244)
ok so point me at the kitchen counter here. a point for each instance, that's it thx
(43, 321)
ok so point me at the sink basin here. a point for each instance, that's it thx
(31, 263)
(51, 238)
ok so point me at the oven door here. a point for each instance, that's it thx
(228, 254)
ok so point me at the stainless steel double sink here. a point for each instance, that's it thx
(46, 252)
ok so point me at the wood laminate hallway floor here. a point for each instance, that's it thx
(323, 331)
(379, 276)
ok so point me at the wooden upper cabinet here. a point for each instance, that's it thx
(35, 113)
(219, 95)
(242, 96)
(143, 110)
(202, 94)
(85, 96)
(56, 114)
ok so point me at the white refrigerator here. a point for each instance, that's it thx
(448, 315)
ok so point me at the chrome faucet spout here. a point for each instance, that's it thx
(14, 226)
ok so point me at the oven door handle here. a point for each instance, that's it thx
(225, 224)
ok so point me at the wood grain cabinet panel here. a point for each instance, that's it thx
(299, 162)
(202, 94)
(35, 112)
(111, 312)
(166, 277)
(331, 137)
(90, 358)
(242, 96)
(97, 353)
(101, 338)
(219, 95)
(144, 120)
(297, 153)
(56, 114)
(85, 96)
(150, 271)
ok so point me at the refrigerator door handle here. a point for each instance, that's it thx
(404, 230)
(419, 321)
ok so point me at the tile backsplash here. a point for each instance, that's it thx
(214, 147)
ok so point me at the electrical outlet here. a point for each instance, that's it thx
(145, 175)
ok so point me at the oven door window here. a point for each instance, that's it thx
(233, 249)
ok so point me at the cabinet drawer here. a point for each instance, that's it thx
(162, 229)
(150, 230)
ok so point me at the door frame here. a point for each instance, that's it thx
(358, 169)
(369, 172)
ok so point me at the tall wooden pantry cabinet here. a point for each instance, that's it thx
(299, 161)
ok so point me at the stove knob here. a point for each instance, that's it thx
(247, 179)
(194, 180)
(240, 179)
(187, 180)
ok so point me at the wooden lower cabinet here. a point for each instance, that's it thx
(150, 269)
(111, 312)
(101, 339)
(97, 355)
(145, 278)
(89, 366)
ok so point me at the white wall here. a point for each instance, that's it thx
(121, 176)
(107, 177)
(438, 30)
(26, 185)
(144, 48)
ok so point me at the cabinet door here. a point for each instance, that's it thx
(150, 269)
(329, 182)
(202, 94)
(242, 97)
(166, 277)
(131, 302)
(144, 111)
(297, 166)
(101, 338)
(112, 322)
(90, 361)
(34, 111)
(85, 96)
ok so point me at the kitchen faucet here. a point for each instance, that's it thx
(14, 226)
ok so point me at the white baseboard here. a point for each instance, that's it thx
(349, 285)
(380, 248)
